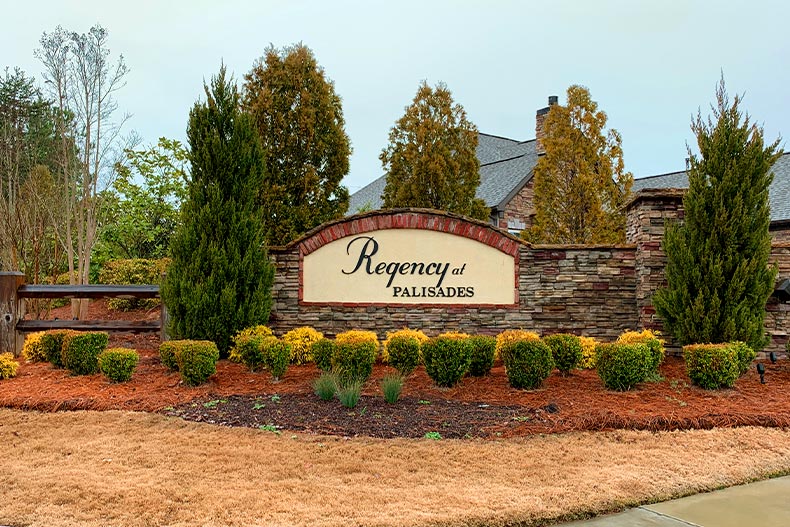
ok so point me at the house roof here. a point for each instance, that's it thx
(505, 166)
(778, 192)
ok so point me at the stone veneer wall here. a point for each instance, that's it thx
(585, 290)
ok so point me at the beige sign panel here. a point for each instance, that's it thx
(408, 266)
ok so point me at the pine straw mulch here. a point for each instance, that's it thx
(477, 407)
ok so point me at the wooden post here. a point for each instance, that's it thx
(12, 310)
(164, 319)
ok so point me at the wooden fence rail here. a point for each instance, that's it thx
(14, 291)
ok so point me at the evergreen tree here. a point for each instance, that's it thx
(717, 260)
(431, 160)
(220, 279)
(580, 183)
(300, 121)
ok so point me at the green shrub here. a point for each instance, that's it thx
(167, 354)
(277, 355)
(649, 339)
(623, 366)
(322, 354)
(81, 350)
(528, 362)
(8, 366)
(118, 364)
(196, 359)
(325, 386)
(52, 343)
(254, 331)
(446, 359)
(403, 353)
(349, 393)
(137, 271)
(566, 350)
(391, 387)
(745, 355)
(712, 366)
(353, 361)
(482, 350)
(33, 350)
(249, 352)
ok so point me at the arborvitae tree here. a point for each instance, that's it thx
(580, 183)
(717, 260)
(431, 160)
(300, 121)
(220, 279)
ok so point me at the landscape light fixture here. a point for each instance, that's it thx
(761, 371)
(772, 356)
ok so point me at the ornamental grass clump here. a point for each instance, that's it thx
(322, 354)
(391, 387)
(623, 366)
(8, 366)
(588, 361)
(404, 332)
(353, 361)
(446, 359)
(118, 364)
(651, 340)
(348, 393)
(528, 362)
(325, 386)
(276, 355)
(81, 350)
(33, 349)
(566, 350)
(301, 342)
(712, 366)
(512, 335)
(404, 353)
(482, 350)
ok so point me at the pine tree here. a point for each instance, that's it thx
(431, 160)
(220, 279)
(717, 260)
(580, 183)
(300, 121)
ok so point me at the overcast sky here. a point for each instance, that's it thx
(650, 66)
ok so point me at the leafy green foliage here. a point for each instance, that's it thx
(431, 158)
(649, 339)
(717, 260)
(277, 355)
(581, 185)
(52, 342)
(196, 359)
(391, 387)
(299, 118)
(482, 350)
(446, 359)
(744, 354)
(322, 351)
(353, 361)
(325, 386)
(404, 353)
(167, 354)
(137, 271)
(81, 350)
(712, 366)
(249, 351)
(118, 364)
(623, 366)
(528, 362)
(8, 366)
(220, 279)
(566, 351)
(433, 436)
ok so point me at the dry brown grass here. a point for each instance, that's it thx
(131, 469)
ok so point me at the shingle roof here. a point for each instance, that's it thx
(778, 192)
(505, 165)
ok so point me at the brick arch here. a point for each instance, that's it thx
(426, 219)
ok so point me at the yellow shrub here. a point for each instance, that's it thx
(33, 350)
(254, 331)
(405, 332)
(8, 366)
(512, 335)
(455, 335)
(301, 341)
(588, 353)
(650, 339)
(358, 336)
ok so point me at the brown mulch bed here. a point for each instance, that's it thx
(477, 407)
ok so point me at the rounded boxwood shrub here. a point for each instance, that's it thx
(482, 350)
(197, 360)
(254, 331)
(8, 366)
(623, 366)
(404, 332)
(528, 362)
(654, 344)
(118, 364)
(711, 366)
(248, 351)
(403, 352)
(81, 350)
(276, 355)
(52, 344)
(353, 361)
(301, 342)
(167, 354)
(566, 350)
(745, 355)
(446, 359)
(512, 335)
(322, 354)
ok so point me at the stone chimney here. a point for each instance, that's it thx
(539, 118)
